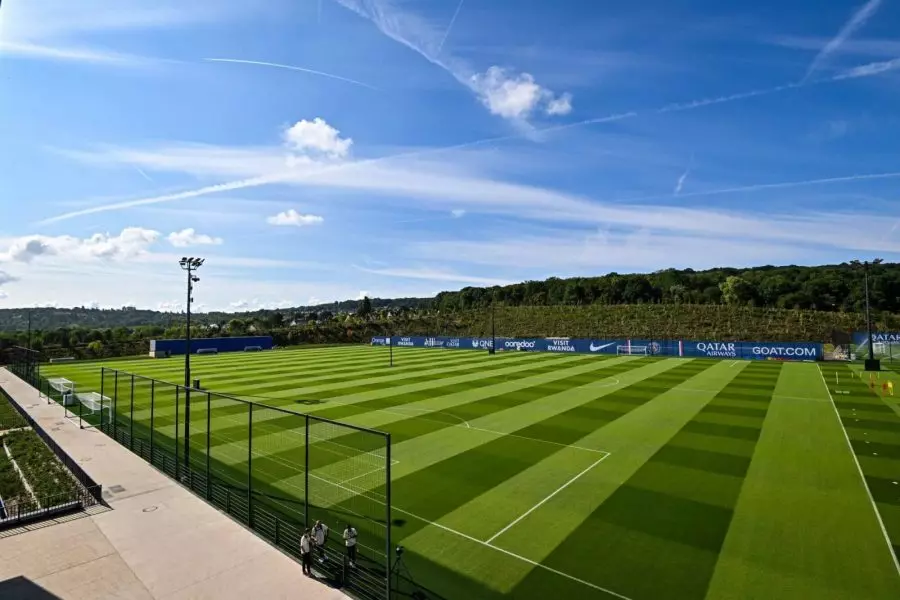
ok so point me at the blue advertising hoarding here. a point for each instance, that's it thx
(685, 348)
(221, 344)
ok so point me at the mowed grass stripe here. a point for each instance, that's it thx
(448, 484)
(333, 448)
(494, 374)
(225, 407)
(874, 432)
(424, 451)
(416, 426)
(670, 518)
(265, 375)
(802, 510)
(631, 440)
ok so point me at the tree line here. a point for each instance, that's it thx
(833, 288)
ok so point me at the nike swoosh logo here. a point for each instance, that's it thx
(598, 348)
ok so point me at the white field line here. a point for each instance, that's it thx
(732, 364)
(477, 541)
(21, 475)
(466, 536)
(862, 477)
(533, 439)
(533, 563)
(545, 500)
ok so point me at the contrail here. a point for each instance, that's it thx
(862, 71)
(292, 68)
(144, 175)
(450, 26)
(684, 176)
(858, 19)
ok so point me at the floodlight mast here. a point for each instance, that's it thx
(865, 267)
(189, 265)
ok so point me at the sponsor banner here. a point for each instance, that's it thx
(861, 338)
(685, 348)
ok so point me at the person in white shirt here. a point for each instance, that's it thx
(306, 552)
(320, 534)
(350, 541)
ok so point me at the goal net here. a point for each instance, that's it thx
(64, 390)
(633, 350)
(95, 408)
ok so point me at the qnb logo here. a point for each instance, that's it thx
(481, 343)
(783, 351)
(520, 344)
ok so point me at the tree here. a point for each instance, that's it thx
(736, 290)
(364, 310)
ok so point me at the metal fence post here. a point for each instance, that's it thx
(131, 418)
(306, 478)
(250, 465)
(208, 435)
(177, 402)
(387, 510)
(79, 412)
(102, 394)
(152, 406)
(115, 423)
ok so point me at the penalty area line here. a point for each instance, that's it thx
(533, 563)
(545, 500)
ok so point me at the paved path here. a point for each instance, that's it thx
(158, 541)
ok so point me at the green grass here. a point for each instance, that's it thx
(535, 475)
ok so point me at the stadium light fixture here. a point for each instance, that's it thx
(188, 264)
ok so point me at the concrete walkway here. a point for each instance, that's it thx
(158, 541)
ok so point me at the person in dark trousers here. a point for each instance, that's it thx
(350, 541)
(320, 535)
(306, 552)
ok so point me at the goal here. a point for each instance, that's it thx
(65, 387)
(96, 405)
(633, 350)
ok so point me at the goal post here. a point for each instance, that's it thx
(93, 408)
(630, 350)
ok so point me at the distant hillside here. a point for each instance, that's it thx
(16, 319)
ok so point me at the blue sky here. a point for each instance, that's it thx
(315, 150)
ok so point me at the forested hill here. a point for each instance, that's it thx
(826, 288)
(831, 288)
(45, 318)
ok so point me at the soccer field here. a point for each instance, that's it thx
(526, 475)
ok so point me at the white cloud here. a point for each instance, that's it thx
(317, 136)
(256, 304)
(62, 30)
(362, 294)
(856, 22)
(516, 96)
(131, 242)
(291, 217)
(313, 301)
(189, 237)
(505, 93)
(93, 304)
(436, 275)
(458, 213)
(291, 68)
(3, 295)
(561, 105)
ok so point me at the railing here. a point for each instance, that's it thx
(88, 493)
(273, 470)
